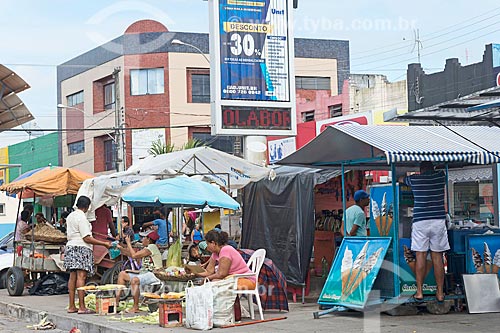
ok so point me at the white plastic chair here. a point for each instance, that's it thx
(255, 264)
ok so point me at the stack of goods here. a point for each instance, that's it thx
(46, 233)
(173, 274)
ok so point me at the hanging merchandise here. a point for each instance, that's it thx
(174, 257)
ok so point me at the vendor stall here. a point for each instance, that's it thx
(41, 252)
(398, 149)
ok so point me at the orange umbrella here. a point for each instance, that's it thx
(51, 181)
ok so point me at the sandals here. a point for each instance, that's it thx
(87, 311)
(414, 299)
(440, 301)
(73, 311)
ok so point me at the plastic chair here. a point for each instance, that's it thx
(255, 264)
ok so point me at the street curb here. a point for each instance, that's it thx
(62, 322)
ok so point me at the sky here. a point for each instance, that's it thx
(39, 35)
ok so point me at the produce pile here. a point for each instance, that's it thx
(173, 274)
(46, 233)
(170, 295)
(152, 318)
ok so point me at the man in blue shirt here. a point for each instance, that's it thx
(163, 227)
(355, 217)
(429, 225)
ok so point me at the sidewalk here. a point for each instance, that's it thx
(299, 319)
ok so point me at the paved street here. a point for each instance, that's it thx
(14, 325)
(299, 319)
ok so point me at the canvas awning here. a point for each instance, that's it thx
(212, 163)
(108, 189)
(49, 181)
(13, 112)
(378, 146)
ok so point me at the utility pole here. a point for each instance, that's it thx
(418, 43)
(119, 123)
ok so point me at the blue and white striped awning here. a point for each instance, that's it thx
(379, 145)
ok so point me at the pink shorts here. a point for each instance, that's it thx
(429, 234)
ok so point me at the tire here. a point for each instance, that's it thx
(15, 281)
(110, 276)
(3, 279)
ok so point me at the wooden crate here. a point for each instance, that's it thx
(105, 305)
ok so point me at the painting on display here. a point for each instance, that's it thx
(407, 263)
(381, 211)
(354, 270)
(483, 253)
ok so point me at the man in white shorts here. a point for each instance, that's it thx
(429, 225)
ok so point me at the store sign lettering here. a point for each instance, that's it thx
(261, 118)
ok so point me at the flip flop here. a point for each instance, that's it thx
(87, 311)
(130, 311)
(414, 299)
(440, 301)
(73, 311)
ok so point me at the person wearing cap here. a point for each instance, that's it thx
(428, 230)
(151, 260)
(355, 218)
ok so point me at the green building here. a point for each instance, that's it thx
(33, 154)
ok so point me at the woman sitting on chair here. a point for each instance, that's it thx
(229, 261)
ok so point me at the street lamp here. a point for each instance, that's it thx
(180, 42)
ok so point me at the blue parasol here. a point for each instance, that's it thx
(180, 191)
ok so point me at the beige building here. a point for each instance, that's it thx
(161, 91)
(373, 92)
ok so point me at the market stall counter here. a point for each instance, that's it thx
(389, 148)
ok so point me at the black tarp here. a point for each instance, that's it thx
(278, 215)
(51, 284)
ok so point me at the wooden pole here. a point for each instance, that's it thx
(253, 322)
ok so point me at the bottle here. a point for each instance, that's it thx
(237, 309)
(459, 307)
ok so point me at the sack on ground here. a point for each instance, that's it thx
(223, 302)
(199, 307)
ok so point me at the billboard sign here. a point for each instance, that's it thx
(281, 148)
(251, 73)
(143, 139)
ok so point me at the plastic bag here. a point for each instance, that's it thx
(223, 302)
(174, 257)
(51, 284)
(199, 307)
(114, 252)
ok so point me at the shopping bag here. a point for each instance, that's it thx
(199, 306)
(223, 301)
